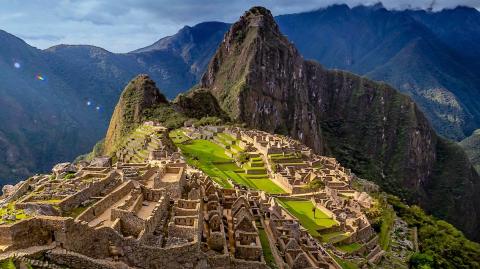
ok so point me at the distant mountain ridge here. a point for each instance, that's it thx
(56, 119)
(432, 56)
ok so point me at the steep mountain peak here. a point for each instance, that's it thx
(256, 18)
(260, 79)
(140, 94)
(253, 50)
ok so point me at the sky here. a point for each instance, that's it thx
(126, 25)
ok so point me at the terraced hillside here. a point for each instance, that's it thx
(217, 158)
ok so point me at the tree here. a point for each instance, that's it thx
(316, 184)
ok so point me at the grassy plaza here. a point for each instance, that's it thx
(211, 159)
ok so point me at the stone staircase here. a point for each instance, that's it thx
(22, 256)
(36, 263)
(138, 147)
(375, 255)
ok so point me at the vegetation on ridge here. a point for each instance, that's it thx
(441, 245)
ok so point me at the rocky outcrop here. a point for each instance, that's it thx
(471, 145)
(198, 103)
(140, 94)
(260, 79)
(62, 169)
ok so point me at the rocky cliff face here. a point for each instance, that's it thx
(140, 94)
(198, 103)
(471, 145)
(260, 79)
(431, 56)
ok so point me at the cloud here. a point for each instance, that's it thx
(53, 38)
(125, 25)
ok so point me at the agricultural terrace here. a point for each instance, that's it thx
(131, 147)
(9, 214)
(211, 158)
(302, 210)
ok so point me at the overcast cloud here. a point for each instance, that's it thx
(125, 25)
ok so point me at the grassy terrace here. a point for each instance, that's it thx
(9, 209)
(267, 251)
(302, 210)
(280, 156)
(388, 218)
(211, 158)
(350, 247)
(228, 140)
(344, 263)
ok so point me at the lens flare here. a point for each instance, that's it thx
(40, 77)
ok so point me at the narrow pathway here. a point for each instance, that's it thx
(276, 255)
(104, 218)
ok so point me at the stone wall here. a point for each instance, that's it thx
(149, 174)
(20, 191)
(283, 181)
(78, 261)
(94, 189)
(184, 227)
(152, 194)
(151, 222)
(32, 232)
(100, 206)
(131, 225)
(361, 235)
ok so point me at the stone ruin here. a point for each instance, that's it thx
(162, 213)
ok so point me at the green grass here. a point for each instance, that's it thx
(280, 156)
(344, 264)
(334, 237)
(267, 251)
(10, 209)
(388, 217)
(211, 159)
(350, 247)
(303, 211)
(8, 264)
(178, 136)
(77, 211)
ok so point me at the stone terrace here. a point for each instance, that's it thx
(155, 211)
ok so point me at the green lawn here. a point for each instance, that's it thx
(178, 136)
(10, 209)
(267, 251)
(8, 264)
(303, 211)
(211, 158)
(334, 237)
(344, 263)
(388, 218)
(350, 247)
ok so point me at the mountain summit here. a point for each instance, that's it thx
(260, 79)
(140, 94)
(257, 76)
